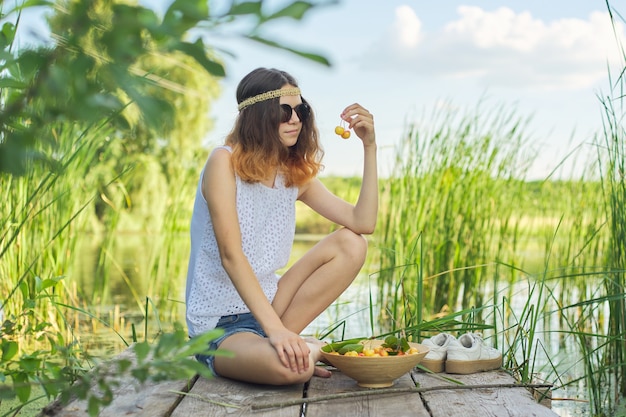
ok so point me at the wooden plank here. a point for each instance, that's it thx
(147, 400)
(131, 398)
(510, 402)
(218, 397)
(397, 404)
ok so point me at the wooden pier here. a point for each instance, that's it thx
(415, 394)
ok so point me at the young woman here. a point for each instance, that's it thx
(242, 231)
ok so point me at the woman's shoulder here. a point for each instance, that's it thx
(219, 160)
(220, 153)
(221, 149)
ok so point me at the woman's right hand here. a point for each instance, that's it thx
(361, 121)
(292, 350)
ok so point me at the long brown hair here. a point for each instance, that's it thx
(255, 140)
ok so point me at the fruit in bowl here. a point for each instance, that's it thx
(374, 363)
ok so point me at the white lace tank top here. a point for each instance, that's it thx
(267, 223)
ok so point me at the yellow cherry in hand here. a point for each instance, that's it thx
(342, 131)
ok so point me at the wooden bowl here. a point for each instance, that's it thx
(376, 371)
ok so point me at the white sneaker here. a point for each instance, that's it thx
(435, 359)
(468, 354)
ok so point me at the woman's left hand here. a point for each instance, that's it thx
(361, 121)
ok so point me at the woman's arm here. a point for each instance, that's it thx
(361, 217)
(219, 190)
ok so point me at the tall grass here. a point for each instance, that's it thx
(458, 228)
(611, 145)
(51, 215)
(448, 205)
(613, 158)
(49, 314)
(44, 216)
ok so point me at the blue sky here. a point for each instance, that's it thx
(402, 59)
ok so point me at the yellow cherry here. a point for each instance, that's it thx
(345, 134)
(339, 130)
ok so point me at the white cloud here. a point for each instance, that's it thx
(502, 47)
(407, 27)
(501, 28)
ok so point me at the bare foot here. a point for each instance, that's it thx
(314, 341)
(322, 372)
(315, 345)
(316, 356)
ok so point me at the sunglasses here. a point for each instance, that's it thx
(302, 110)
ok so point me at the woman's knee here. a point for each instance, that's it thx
(353, 245)
(285, 376)
(255, 360)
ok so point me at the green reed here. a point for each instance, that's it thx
(457, 232)
(43, 215)
(452, 195)
(606, 363)
(612, 154)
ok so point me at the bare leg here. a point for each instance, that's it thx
(317, 279)
(304, 291)
(256, 361)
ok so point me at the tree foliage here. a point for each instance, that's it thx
(96, 67)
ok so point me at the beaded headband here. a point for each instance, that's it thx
(268, 95)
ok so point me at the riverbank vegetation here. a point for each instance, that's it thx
(463, 240)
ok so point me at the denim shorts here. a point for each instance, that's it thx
(236, 323)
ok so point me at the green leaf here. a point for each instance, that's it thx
(167, 343)
(335, 346)
(21, 386)
(197, 50)
(156, 112)
(31, 62)
(30, 3)
(9, 350)
(24, 289)
(183, 15)
(41, 285)
(29, 364)
(141, 374)
(391, 341)
(11, 83)
(38, 282)
(357, 347)
(123, 365)
(7, 35)
(142, 349)
(7, 61)
(7, 393)
(308, 55)
(246, 7)
(93, 407)
(295, 10)
(191, 9)
(405, 345)
(200, 344)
